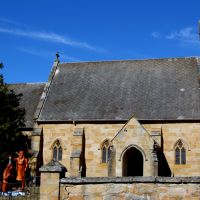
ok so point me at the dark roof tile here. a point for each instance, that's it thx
(31, 95)
(157, 89)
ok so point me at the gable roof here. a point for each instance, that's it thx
(156, 89)
(31, 95)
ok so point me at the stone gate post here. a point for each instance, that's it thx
(51, 174)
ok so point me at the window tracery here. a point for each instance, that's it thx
(57, 151)
(106, 152)
(180, 153)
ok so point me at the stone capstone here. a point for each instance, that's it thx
(53, 166)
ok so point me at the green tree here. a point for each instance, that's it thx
(11, 118)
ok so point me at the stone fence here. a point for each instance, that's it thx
(55, 187)
(130, 188)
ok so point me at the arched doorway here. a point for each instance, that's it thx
(132, 162)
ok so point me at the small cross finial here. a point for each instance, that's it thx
(199, 28)
(57, 56)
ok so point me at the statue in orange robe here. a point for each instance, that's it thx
(6, 174)
(21, 167)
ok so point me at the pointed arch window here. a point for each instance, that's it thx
(106, 152)
(57, 151)
(180, 153)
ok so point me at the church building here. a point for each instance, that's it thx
(116, 118)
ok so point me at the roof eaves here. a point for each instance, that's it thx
(118, 121)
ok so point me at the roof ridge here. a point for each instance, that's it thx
(148, 59)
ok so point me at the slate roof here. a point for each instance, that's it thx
(30, 99)
(156, 89)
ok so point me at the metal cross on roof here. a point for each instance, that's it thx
(57, 55)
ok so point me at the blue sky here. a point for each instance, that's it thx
(32, 31)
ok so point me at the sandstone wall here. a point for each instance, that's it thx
(95, 134)
(62, 132)
(149, 188)
(189, 133)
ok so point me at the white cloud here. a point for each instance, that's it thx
(48, 54)
(155, 34)
(186, 35)
(11, 22)
(52, 37)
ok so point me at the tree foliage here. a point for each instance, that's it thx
(11, 118)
